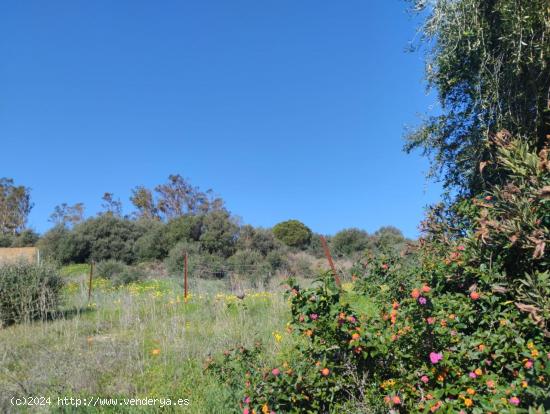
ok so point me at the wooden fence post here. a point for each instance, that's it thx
(185, 276)
(90, 280)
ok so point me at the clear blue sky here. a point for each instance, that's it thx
(287, 109)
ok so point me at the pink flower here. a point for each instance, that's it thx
(472, 375)
(514, 400)
(435, 357)
(528, 364)
(424, 379)
(313, 316)
(247, 400)
(422, 300)
(461, 248)
(275, 371)
(246, 411)
(430, 320)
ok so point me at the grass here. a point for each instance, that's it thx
(138, 341)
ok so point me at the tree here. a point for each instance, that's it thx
(293, 233)
(15, 206)
(143, 201)
(349, 241)
(489, 61)
(178, 197)
(219, 233)
(66, 215)
(111, 206)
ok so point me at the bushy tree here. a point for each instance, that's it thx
(257, 239)
(219, 233)
(108, 237)
(293, 233)
(26, 238)
(64, 246)
(349, 241)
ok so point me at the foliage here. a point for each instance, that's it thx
(28, 291)
(349, 241)
(66, 215)
(153, 244)
(27, 238)
(219, 233)
(293, 233)
(463, 329)
(15, 206)
(488, 61)
(64, 246)
(108, 237)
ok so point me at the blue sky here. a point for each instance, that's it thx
(287, 109)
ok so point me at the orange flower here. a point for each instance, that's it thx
(396, 400)
(468, 402)
(155, 351)
(415, 293)
(481, 347)
(355, 336)
(309, 332)
(325, 372)
(475, 295)
(265, 409)
(471, 391)
(490, 383)
(426, 288)
(478, 371)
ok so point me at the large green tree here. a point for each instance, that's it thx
(488, 60)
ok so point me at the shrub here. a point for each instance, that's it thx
(153, 244)
(119, 273)
(219, 233)
(293, 233)
(108, 237)
(465, 329)
(28, 291)
(64, 246)
(26, 238)
(110, 269)
(349, 241)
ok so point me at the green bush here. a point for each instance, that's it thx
(28, 291)
(349, 241)
(108, 237)
(110, 269)
(219, 233)
(463, 329)
(153, 244)
(119, 273)
(293, 233)
(64, 246)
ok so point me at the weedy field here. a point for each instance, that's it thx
(141, 341)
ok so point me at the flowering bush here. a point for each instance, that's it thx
(463, 330)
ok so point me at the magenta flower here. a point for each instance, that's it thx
(422, 300)
(246, 411)
(424, 379)
(435, 357)
(472, 375)
(313, 316)
(247, 400)
(275, 371)
(514, 400)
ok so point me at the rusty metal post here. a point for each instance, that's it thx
(90, 280)
(330, 262)
(185, 276)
